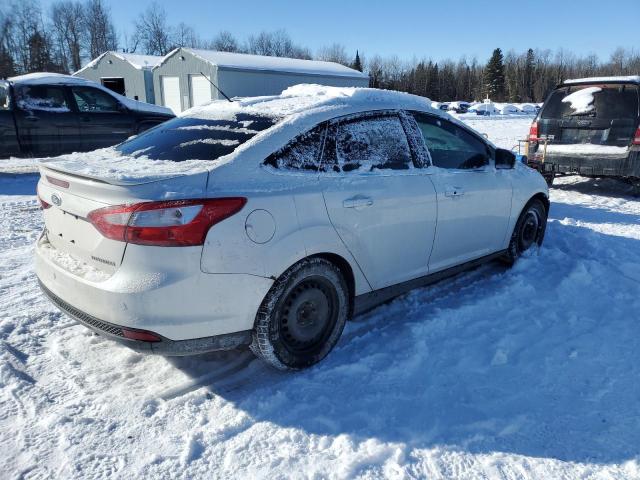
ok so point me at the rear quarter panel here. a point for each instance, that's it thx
(301, 229)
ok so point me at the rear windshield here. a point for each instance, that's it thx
(185, 138)
(608, 101)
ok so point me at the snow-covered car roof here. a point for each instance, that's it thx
(628, 78)
(47, 78)
(314, 103)
(245, 61)
(141, 62)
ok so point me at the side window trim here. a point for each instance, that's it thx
(419, 151)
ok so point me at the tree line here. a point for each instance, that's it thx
(71, 32)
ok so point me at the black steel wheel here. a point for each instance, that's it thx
(529, 230)
(302, 316)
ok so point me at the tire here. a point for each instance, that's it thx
(529, 230)
(303, 315)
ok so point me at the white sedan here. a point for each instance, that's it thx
(268, 222)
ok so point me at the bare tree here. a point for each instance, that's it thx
(276, 44)
(153, 32)
(7, 45)
(68, 29)
(225, 42)
(335, 52)
(101, 34)
(185, 36)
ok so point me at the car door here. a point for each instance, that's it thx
(103, 120)
(46, 123)
(474, 198)
(381, 205)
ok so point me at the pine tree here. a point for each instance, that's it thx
(528, 75)
(494, 76)
(357, 64)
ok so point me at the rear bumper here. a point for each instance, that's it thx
(161, 290)
(627, 165)
(165, 346)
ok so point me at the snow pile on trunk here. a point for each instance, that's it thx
(110, 165)
(582, 100)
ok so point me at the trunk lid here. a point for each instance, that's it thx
(74, 243)
(596, 114)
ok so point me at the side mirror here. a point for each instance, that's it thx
(505, 159)
(122, 108)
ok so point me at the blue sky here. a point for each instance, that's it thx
(436, 29)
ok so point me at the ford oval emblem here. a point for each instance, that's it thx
(57, 201)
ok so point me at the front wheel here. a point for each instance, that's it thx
(529, 230)
(302, 316)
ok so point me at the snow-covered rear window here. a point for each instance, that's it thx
(49, 98)
(607, 101)
(372, 143)
(4, 96)
(188, 138)
(302, 153)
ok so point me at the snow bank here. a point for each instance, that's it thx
(527, 373)
(582, 100)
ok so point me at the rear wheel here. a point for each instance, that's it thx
(302, 316)
(529, 230)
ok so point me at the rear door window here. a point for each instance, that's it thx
(302, 153)
(188, 138)
(49, 98)
(93, 100)
(373, 143)
(606, 101)
(450, 146)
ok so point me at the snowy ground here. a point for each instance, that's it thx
(524, 373)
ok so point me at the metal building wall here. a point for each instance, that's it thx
(182, 64)
(134, 79)
(242, 83)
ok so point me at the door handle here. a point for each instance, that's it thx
(357, 202)
(31, 119)
(453, 192)
(85, 118)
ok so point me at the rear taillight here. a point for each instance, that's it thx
(43, 204)
(636, 137)
(533, 132)
(175, 223)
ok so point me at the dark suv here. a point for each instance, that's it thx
(48, 114)
(589, 126)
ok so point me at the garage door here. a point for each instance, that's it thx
(200, 90)
(171, 93)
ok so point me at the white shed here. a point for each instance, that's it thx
(128, 74)
(183, 78)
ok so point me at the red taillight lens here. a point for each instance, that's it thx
(533, 132)
(43, 204)
(141, 335)
(176, 223)
(636, 137)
